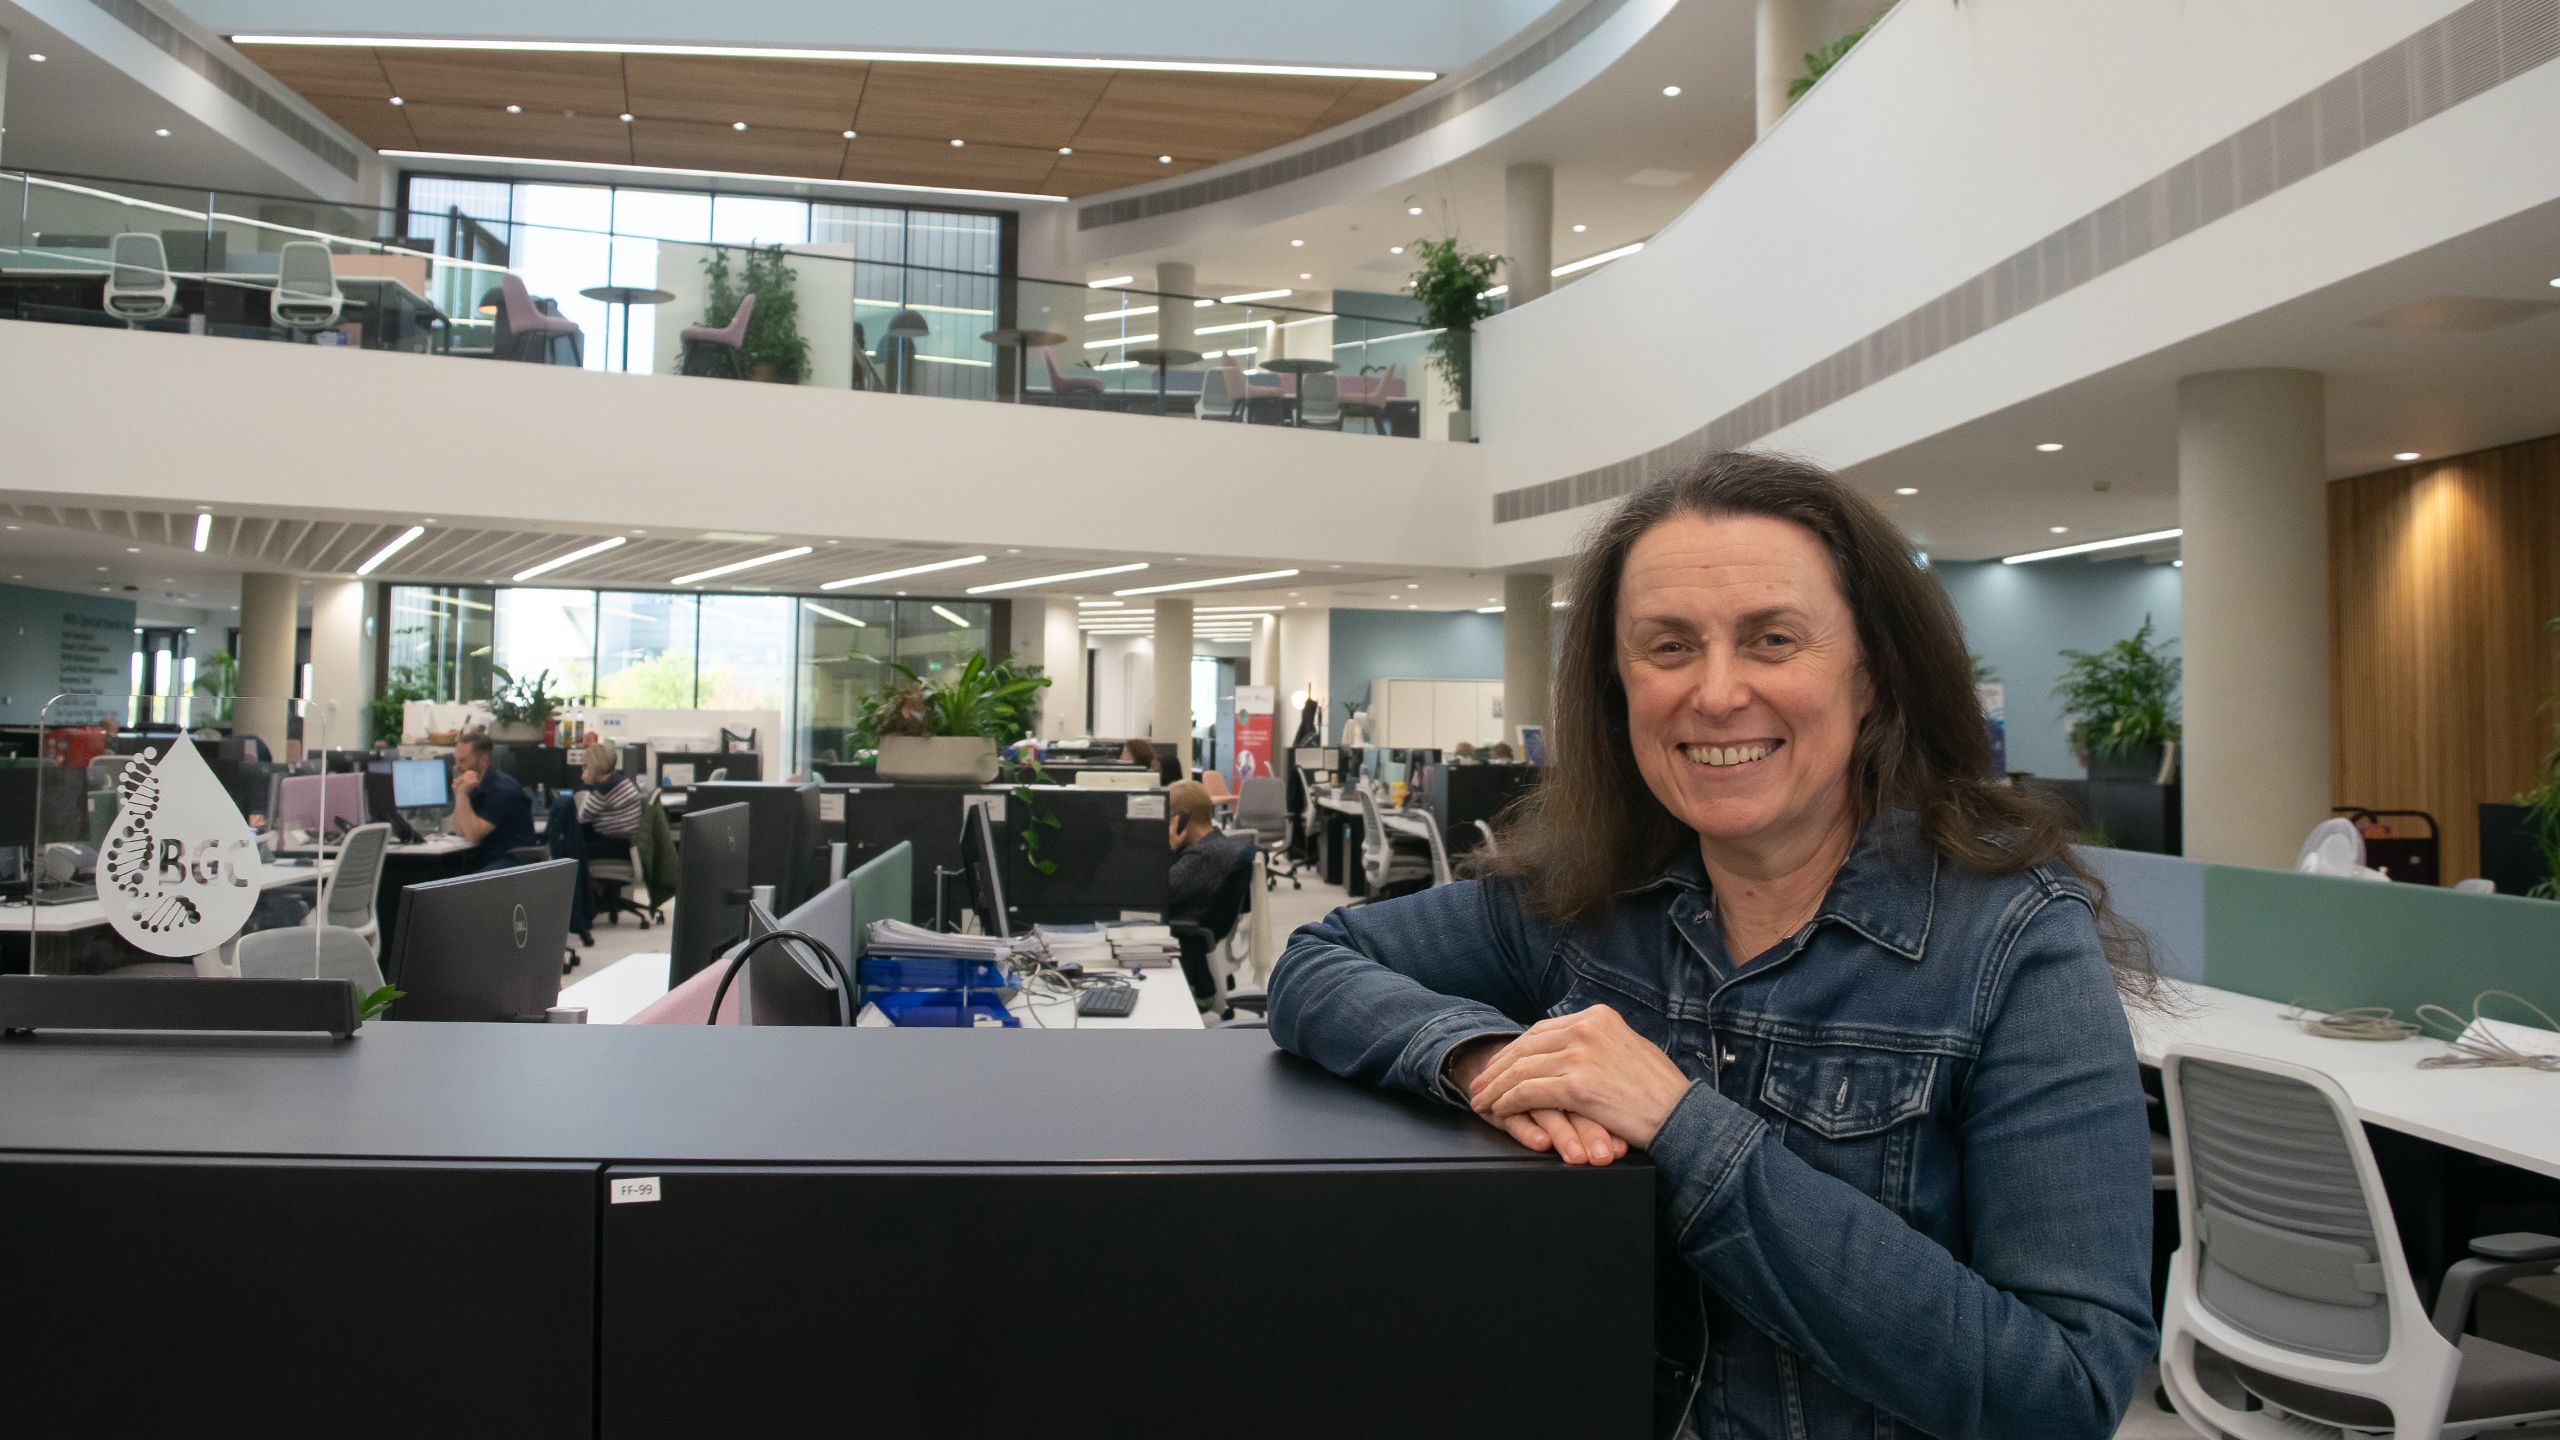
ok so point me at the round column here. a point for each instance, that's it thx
(2254, 613)
(1175, 286)
(1528, 656)
(1529, 217)
(339, 679)
(267, 625)
(1171, 726)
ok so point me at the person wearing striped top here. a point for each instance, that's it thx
(609, 806)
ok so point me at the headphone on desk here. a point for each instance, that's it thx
(837, 978)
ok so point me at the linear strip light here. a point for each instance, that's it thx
(1489, 609)
(954, 360)
(963, 621)
(204, 530)
(1237, 610)
(448, 157)
(1099, 604)
(1383, 339)
(902, 574)
(1120, 365)
(1237, 325)
(405, 539)
(839, 616)
(733, 567)
(1250, 295)
(1147, 339)
(2083, 549)
(1126, 312)
(1114, 280)
(1587, 261)
(1205, 584)
(920, 306)
(896, 57)
(1059, 579)
(1310, 320)
(572, 558)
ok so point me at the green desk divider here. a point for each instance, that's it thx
(2337, 943)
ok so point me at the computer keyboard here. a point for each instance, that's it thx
(1108, 1002)
(65, 893)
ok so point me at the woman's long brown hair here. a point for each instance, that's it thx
(1592, 828)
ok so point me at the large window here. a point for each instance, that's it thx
(441, 638)
(941, 634)
(645, 651)
(746, 653)
(549, 630)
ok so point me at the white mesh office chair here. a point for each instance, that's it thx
(1320, 402)
(306, 295)
(347, 902)
(299, 953)
(1389, 857)
(1262, 806)
(1219, 399)
(626, 880)
(138, 284)
(2289, 1268)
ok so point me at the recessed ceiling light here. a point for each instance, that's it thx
(1672, 90)
(1413, 584)
(737, 124)
(102, 569)
(1066, 149)
(2555, 282)
(162, 132)
(849, 135)
(1578, 229)
(1395, 249)
(2406, 456)
(515, 109)
(1413, 607)
(1306, 274)
(396, 100)
(2059, 529)
(1906, 490)
(2050, 446)
(628, 117)
(36, 58)
(1164, 159)
(133, 549)
(1413, 209)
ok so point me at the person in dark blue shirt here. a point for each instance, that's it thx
(490, 809)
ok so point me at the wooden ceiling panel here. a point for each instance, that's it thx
(1205, 117)
(900, 161)
(552, 82)
(694, 145)
(480, 130)
(995, 104)
(1089, 172)
(1363, 97)
(787, 94)
(377, 123)
(317, 70)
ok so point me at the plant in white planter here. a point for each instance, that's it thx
(951, 730)
(520, 709)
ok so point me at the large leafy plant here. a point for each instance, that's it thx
(1450, 284)
(529, 701)
(407, 683)
(1818, 62)
(2122, 700)
(773, 332)
(998, 700)
(218, 676)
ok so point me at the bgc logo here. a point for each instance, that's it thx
(181, 866)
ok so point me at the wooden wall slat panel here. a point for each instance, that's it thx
(2443, 576)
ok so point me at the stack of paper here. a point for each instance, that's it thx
(914, 942)
(1084, 945)
(1141, 945)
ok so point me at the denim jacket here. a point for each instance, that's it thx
(1908, 1191)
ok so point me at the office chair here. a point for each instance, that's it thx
(1388, 858)
(1197, 938)
(705, 345)
(347, 902)
(1319, 402)
(525, 332)
(306, 296)
(299, 953)
(1376, 386)
(622, 886)
(1219, 397)
(1262, 806)
(139, 287)
(2289, 1269)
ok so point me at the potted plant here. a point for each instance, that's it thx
(2121, 705)
(218, 676)
(1450, 284)
(407, 683)
(951, 729)
(521, 709)
(774, 348)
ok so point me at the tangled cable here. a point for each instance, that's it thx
(2364, 1022)
(2474, 1045)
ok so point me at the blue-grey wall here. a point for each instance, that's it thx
(1372, 645)
(55, 643)
(2018, 617)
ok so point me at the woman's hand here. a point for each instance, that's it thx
(1588, 1064)
(1577, 1140)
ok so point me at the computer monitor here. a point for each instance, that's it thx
(482, 947)
(1096, 779)
(782, 849)
(711, 892)
(40, 804)
(787, 984)
(679, 768)
(421, 784)
(531, 764)
(382, 803)
(984, 861)
(322, 804)
(1107, 852)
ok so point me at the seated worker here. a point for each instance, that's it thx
(489, 808)
(1463, 753)
(1201, 893)
(1138, 752)
(609, 806)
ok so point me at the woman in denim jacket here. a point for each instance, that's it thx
(1771, 919)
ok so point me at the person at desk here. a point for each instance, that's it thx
(1134, 751)
(1205, 859)
(490, 809)
(1773, 920)
(609, 806)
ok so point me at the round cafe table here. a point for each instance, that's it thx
(627, 296)
(1021, 339)
(1162, 356)
(1298, 365)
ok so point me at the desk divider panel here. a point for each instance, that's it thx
(2164, 895)
(2335, 943)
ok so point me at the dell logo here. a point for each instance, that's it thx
(524, 929)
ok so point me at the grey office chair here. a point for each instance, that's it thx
(306, 295)
(1218, 398)
(1262, 806)
(139, 287)
(2289, 1269)
(348, 901)
(626, 881)
(1319, 402)
(1388, 858)
(299, 953)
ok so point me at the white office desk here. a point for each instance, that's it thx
(621, 990)
(89, 914)
(1406, 822)
(432, 846)
(2507, 1115)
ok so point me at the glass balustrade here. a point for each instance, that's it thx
(610, 278)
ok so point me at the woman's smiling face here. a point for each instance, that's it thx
(1745, 686)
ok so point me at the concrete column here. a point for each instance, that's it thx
(2254, 613)
(336, 718)
(1172, 722)
(1528, 655)
(1266, 659)
(267, 614)
(1529, 217)
(1785, 32)
(1062, 705)
(1305, 668)
(1175, 282)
